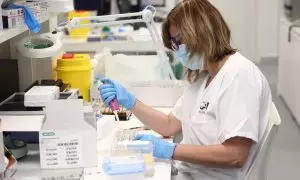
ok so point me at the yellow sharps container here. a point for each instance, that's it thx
(80, 32)
(76, 69)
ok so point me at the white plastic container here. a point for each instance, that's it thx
(144, 148)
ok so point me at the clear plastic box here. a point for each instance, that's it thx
(122, 168)
(137, 148)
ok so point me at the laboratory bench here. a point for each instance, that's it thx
(136, 41)
(82, 45)
(29, 166)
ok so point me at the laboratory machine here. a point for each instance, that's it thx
(31, 103)
(292, 9)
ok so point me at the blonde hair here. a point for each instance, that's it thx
(202, 28)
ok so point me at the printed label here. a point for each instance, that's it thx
(61, 151)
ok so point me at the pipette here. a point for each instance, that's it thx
(114, 106)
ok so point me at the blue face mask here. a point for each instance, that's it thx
(193, 63)
(32, 23)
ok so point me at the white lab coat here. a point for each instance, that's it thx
(236, 103)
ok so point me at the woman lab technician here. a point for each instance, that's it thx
(222, 114)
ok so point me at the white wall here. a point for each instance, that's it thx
(254, 25)
(241, 16)
(268, 27)
(170, 4)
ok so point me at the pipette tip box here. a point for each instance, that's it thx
(38, 96)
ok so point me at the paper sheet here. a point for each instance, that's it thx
(61, 151)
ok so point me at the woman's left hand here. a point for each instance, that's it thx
(161, 148)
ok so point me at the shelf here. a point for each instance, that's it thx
(7, 34)
(136, 42)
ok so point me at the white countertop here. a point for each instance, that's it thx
(29, 167)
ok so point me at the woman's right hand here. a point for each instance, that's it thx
(111, 89)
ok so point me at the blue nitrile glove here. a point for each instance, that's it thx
(162, 149)
(113, 89)
(32, 23)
